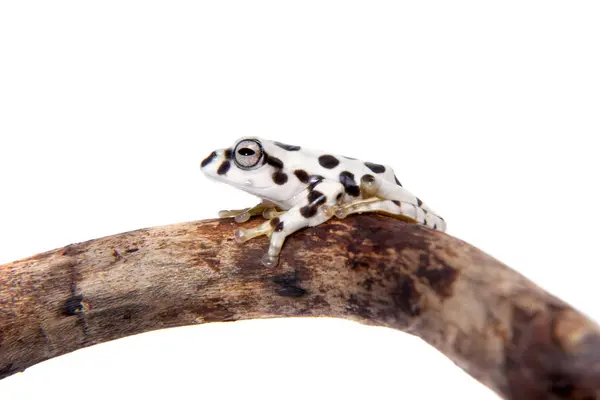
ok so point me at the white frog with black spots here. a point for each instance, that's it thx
(301, 187)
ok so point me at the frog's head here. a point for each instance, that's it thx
(252, 164)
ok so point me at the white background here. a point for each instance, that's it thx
(489, 111)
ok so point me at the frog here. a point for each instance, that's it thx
(300, 187)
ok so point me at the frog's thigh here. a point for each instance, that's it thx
(310, 212)
(377, 187)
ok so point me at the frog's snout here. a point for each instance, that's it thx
(217, 164)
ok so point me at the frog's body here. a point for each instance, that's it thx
(302, 187)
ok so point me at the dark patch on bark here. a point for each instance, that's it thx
(359, 306)
(247, 258)
(131, 250)
(288, 285)
(125, 318)
(439, 276)
(354, 264)
(561, 386)
(362, 255)
(73, 305)
(406, 297)
(368, 284)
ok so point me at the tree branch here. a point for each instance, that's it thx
(499, 327)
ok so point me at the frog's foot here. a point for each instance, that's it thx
(268, 228)
(238, 215)
(245, 214)
(274, 226)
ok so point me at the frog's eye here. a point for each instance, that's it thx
(248, 153)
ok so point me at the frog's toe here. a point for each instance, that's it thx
(238, 216)
(243, 217)
(270, 260)
(243, 235)
(244, 214)
(240, 235)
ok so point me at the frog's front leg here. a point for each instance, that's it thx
(310, 212)
(265, 207)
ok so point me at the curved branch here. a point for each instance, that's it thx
(502, 329)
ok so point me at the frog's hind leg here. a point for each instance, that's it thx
(384, 190)
(267, 209)
(389, 198)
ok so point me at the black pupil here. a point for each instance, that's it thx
(246, 151)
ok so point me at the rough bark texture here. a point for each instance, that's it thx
(502, 329)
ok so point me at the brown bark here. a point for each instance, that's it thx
(502, 329)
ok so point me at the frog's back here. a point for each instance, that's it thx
(302, 161)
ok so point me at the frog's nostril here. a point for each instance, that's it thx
(208, 159)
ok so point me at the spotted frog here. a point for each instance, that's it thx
(301, 187)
